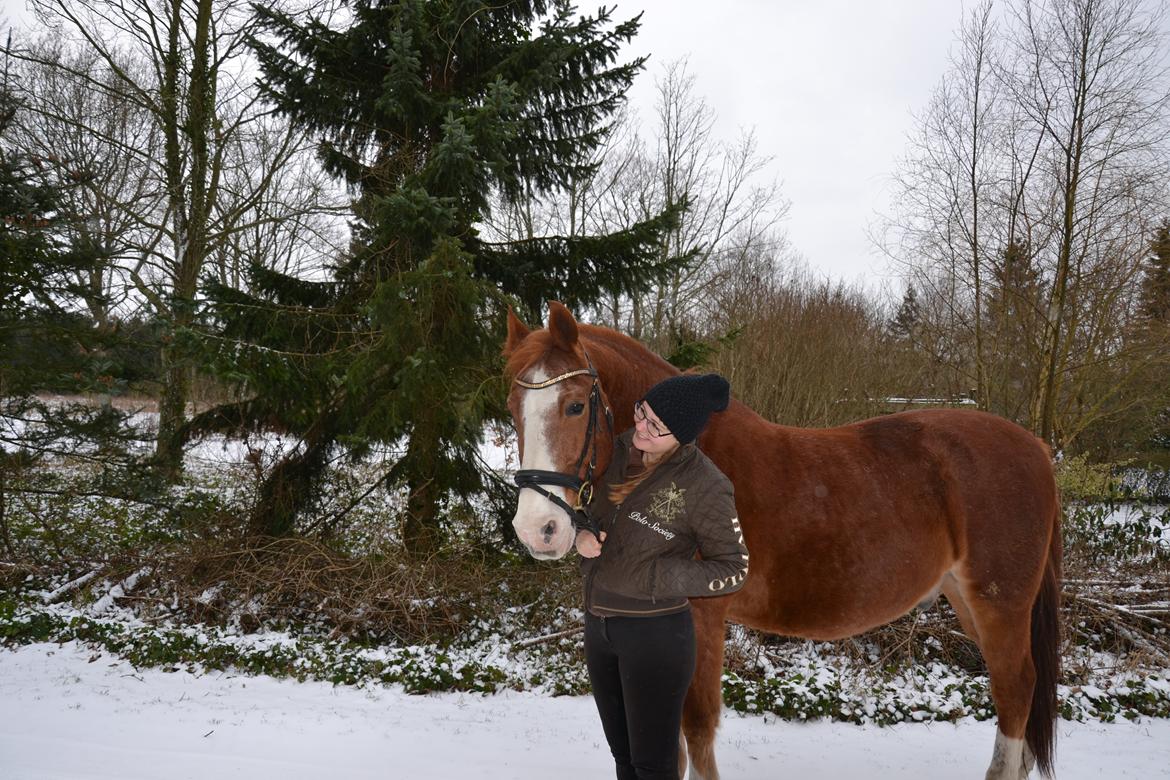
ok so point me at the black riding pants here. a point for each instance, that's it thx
(640, 668)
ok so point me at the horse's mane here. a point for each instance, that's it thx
(626, 365)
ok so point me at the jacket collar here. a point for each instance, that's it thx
(682, 453)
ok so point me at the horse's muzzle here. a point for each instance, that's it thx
(546, 537)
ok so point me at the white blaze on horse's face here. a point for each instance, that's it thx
(543, 527)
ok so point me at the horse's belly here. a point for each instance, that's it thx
(827, 608)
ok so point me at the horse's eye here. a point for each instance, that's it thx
(574, 409)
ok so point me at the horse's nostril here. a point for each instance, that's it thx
(549, 529)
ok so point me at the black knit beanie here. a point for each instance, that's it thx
(684, 403)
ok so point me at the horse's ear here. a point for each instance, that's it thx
(517, 332)
(562, 326)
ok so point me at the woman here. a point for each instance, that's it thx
(661, 501)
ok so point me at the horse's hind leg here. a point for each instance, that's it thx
(950, 589)
(705, 697)
(1004, 638)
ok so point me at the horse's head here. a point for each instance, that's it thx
(563, 425)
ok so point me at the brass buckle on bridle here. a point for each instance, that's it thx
(584, 496)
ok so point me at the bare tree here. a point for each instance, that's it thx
(946, 225)
(728, 211)
(277, 208)
(209, 155)
(1090, 77)
(1037, 171)
(644, 168)
(806, 351)
(103, 139)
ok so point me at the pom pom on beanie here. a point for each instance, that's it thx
(685, 403)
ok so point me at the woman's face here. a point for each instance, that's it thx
(646, 425)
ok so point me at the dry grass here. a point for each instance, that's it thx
(285, 582)
(808, 352)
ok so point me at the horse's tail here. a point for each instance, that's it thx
(1040, 733)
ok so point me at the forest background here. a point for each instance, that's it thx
(297, 227)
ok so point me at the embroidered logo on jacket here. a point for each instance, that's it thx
(668, 503)
(641, 519)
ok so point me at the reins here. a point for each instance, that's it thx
(536, 479)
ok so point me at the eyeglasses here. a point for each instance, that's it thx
(654, 428)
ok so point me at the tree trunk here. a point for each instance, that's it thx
(981, 380)
(173, 402)
(421, 529)
(8, 548)
(172, 407)
(188, 199)
(287, 491)
(1074, 148)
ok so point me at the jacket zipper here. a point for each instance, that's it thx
(597, 565)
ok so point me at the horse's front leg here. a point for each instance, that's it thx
(704, 701)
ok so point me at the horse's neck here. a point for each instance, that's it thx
(627, 369)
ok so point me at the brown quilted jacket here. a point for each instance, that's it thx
(647, 564)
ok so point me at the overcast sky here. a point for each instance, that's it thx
(828, 85)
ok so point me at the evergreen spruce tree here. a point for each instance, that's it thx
(1154, 332)
(43, 339)
(905, 322)
(1014, 298)
(1154, 307)
(1014, 328)
(426, 110)
(46, 344)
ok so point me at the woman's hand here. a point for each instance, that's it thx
(587, 544)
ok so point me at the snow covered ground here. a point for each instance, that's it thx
(66, 714)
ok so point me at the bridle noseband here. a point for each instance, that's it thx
(536, 479)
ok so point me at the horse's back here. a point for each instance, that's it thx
(978, 461)
(998, 476)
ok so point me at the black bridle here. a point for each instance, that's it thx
(582, 485)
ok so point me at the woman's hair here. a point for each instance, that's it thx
(620, 491)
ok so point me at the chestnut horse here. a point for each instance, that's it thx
(848, 528)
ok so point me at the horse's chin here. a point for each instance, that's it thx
(547, 555)
(553, 548)
(548, 552)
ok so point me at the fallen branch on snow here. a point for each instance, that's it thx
(52, 597)
(546, 638)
